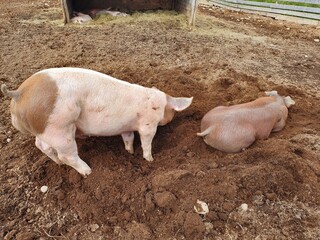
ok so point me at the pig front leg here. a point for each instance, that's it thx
(128, 138)
(146, 135)
(49, 151)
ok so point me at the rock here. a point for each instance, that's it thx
(212, 165)
(138, 231)
(25, 235)
(271, 196)
(200, 174)
(316, 40)
(93, 227)
(74, 176)
(208, 226)
(223, 216)
(127, 215)
(165, 199)
(201, 207)
(166, 179)
(227, 206)
(44, 189)
(2, 137)
(243, 207)
(149, 203)
(193, 226)
(60, 195)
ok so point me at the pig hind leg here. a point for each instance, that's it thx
(146, 136)
(233, 141)
(63, 141)
(128, 138)
(49, 151)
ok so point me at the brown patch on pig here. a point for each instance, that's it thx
(34, 104)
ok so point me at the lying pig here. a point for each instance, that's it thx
(80, 18)
(234, 128)
(55, 103)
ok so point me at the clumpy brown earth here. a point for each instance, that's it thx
(227, 58)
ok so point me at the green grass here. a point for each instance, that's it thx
(289, 3)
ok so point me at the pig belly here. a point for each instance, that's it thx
(100, 125)
(230, 141)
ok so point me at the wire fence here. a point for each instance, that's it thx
(303, 11)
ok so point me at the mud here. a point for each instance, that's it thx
(227, 58)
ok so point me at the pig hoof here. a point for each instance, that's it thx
(149, 159)
(131, 151)
(86, 172)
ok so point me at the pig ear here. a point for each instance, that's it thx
(288, 101)
(179, 104)
(271, 93)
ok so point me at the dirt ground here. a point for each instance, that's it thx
(227, 58)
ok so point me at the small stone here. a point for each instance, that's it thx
(200, 174)
(165, 199)
(25, 235)
(227, 206)
(44, 189)
(60, 195)
(209, 226)
(127, 216)
(93, 227)
(149, 203)
(191, 154)
(138, 231)
(223, 216)
(74, 177)
(316, 40)
(201, 207)
(212, 165)
(8, 140)
(258, 200)
(2, 137)
(271, 196)
(113, 219)
(243, 207)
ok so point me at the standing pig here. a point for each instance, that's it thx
(234, 128)
(54, 104)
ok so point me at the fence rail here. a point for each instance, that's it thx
(308, 13)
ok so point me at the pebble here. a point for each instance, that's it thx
(93, 227)
(223, 216)
(213, 165)
(201, 207)
(8, 140)
(127, 215)
(200, 174)
(243, 207)
(44, 189)
(227, 206)
(209, 226)
(316, 40)
(271, 196)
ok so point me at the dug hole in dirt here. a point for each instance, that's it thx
(269, 191)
